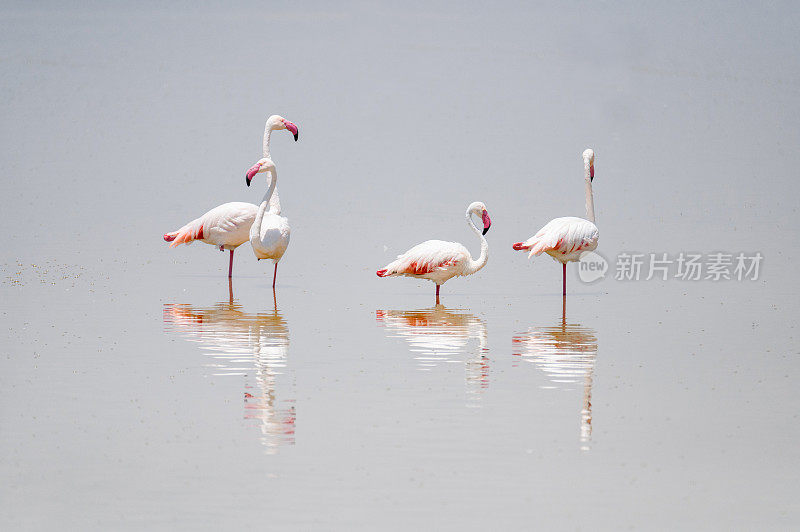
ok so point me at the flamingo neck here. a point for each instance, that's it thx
(267, 135)
(266, 200)
(475, 265)
(589, 196)
(274, 202)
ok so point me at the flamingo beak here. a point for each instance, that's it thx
(250, 173)
(487, 222)
(292, 128)
(591, 172)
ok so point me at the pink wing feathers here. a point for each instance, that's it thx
(227, 224)
(562, 235)
(425, 258)
(186, 234)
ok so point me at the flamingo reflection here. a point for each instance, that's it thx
(566, 354)
(253, 346)
(439, 336)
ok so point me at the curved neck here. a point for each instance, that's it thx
(266, 200)
(267, 134)
(274, 201)
(589, 196)
(475, 265)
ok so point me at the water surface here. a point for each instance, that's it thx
(139, 390)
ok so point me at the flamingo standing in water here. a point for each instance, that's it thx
(437, 260)
(565, 239)
(269, 234)
(228, 225)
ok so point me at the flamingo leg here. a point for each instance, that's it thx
(437, 294)
(230, 266)
(564, 276)
(274, 276)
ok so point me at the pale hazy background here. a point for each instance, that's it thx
(120, 123)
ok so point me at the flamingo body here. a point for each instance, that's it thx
(564, 239)
(435, 260)
(226, 226)
(271, 239)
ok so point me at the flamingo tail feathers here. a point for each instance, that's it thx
(539, 247)
(535, 246)
(186, 234)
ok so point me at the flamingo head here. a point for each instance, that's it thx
(277, 122)
(479, 209)
(261, 166)
(588, 161)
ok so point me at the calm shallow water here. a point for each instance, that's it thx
(139, 389)
(253, 346)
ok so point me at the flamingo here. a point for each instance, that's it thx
(437, 260)
(566, 239)
(269, 234)
(227, 226)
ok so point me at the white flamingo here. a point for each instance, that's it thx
(227, 226)
(566, 239)
(437, 260)
(269, 234)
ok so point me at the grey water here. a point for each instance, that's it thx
(140, 390)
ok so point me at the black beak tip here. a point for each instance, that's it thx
(295, 136)
(247, 180)
(486, 230)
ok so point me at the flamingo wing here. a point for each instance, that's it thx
(231, 217)
(425, 258)
(562, 235)
(228, 223)
(186, 234)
